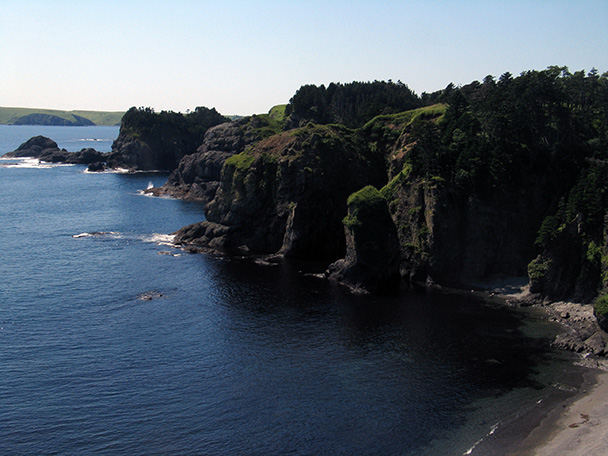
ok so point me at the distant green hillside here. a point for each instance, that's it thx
(33, 116)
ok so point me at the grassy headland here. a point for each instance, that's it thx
(34, 116)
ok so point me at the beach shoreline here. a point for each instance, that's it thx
(570, 421)
(577, 427)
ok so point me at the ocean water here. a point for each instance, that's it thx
(112, 342)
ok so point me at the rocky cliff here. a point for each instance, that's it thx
(150, 141)
(504, 177)
(287, 195)
(197, 176)
(372, 256)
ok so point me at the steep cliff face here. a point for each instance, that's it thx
(149, 153)
(372, 256)
(573, 262)
(152, 141)
(452, 234)
(287, 195)
(197, 175)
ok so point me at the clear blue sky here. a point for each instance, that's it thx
(243, 57)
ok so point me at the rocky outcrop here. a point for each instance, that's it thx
(136, 154)
(458, 240)
(287, 195)
(82, 157)
(582, 333)
(150, 141)
(372, 256)
(34, 147)
(46, 150)
(197, 176)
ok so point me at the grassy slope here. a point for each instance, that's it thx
(278, 113)
(9, 115)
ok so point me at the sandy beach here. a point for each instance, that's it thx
(577, 426)
(581, 429)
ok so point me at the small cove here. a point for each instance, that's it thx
(229, 357)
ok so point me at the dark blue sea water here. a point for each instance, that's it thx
(114, 343)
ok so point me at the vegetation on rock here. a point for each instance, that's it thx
(32, 116)
(158, 141)
(350, 104)
(507, 175)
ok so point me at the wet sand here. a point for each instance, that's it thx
(572, 423)
(579, 429)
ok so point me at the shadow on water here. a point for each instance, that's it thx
(418, 360)
(482, 337)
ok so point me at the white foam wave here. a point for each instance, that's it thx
(154, 238)
(492, 431)
(110, 171)
(143, 193)
(113, 234)
(159, 239)
(30, 163)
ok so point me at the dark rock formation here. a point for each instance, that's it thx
(82, 157)
(582, 333)
(157, 142)
(132, 153)
(287, 195)
(46, 150)
(34, 147)
(198, 175)
(372, 256)
(97, 167)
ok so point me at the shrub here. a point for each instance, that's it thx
(601, 305)
(537, 268)
(362, 202)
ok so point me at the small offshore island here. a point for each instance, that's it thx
(502, 178)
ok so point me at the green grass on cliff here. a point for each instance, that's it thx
(277, 113)
(389, 190)
(403, 119)
(367, 196)
(601, 305)
(364, 200)
(9, 116)
(241, 162)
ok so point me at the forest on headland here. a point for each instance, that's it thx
(507, 176)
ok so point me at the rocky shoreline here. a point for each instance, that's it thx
(199, 177)
(47, 150)
(581, 332)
